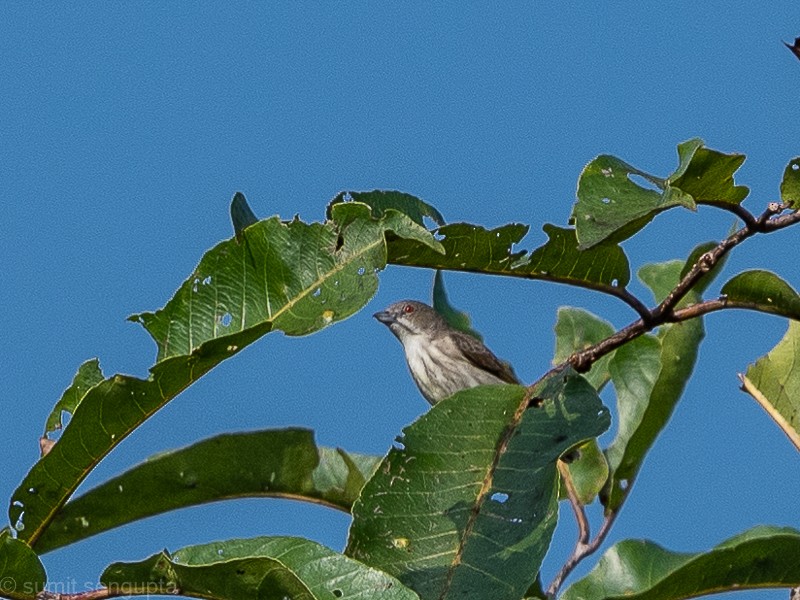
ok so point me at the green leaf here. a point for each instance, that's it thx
(649, 375)
(790, 185)
(242, 216)
(577, 329)
(277, 463)
(762, 557)
(22, 575)
(612, 205)
(269, 568)
(762, 291)
(467, 508)
(475, 249)
(707, 175)
(294, 277)
(88, 376)
(457, 319)
(589, 473)
(774, 381)
(380, 201)
(696, 254)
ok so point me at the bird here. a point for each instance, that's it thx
(442, 360)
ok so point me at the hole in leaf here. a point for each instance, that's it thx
(339, 243)
(643, 182)
(500, 497)
(605, 200)
(361, 270)
(207, 280)
(226, 319)
(317, 292)
(795, 166)
(338, 593)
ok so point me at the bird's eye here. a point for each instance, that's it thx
(408, 309)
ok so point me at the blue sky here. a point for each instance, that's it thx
(126, 128)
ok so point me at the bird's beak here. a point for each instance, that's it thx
(384, 317)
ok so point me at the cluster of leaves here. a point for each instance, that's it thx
(467, 507)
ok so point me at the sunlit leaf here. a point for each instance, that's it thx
(615, 199)
(278, 463)
(475, 249)
(763, 291)
(22, 575)
(762, 557)
(577, 329)
(293, 277)
(271, 568)
(380, 201)
(467, 508)
(774, 381)
(88, 375)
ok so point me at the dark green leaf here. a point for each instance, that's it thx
(380, 201)
(790, 186)
(475, 249)
(242, 216)
(615, 199)
(774, 381)
(278, 463)
(467, 508)
(642, 570)
(457, 319)
(763, 291)
(265, 568)
(22, 574)
(295, 277)
(88, 376)
(649, 375)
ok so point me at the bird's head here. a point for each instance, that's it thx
(409, 317)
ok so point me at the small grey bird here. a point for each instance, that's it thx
(442, 360)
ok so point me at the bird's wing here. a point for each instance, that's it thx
(483, 358)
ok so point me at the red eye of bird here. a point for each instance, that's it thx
(408, 309)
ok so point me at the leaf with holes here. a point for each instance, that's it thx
(22, 575)
(762, 291)
(474, 249)
(381, 200)
(762, 557)
(265, 567)
(277, 463)
(294, 277)
(649, 376)
(774, 381)
(467, 507)
(88, 376)
(615, 199)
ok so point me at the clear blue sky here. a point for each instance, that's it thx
(125, 128)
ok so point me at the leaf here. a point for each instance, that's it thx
(22, 575)
(475, 249)
(88, 376)
(467, 508)
(242, 216)
(577, 329)
(380, 201)
(774, 381)
(762, 291)
(615, 199)
(790, 185)
(276, 463)
(267, 567)
(589, 472)
(642, 570)
(649, 375)
(696, 254)
(294, 277)
(455, 318)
